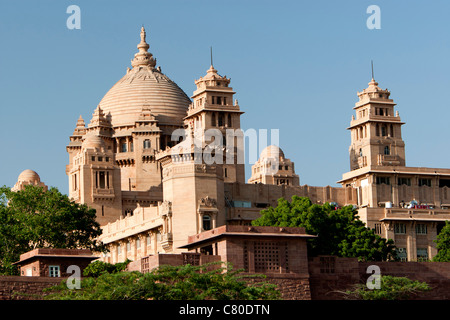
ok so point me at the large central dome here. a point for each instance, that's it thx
(145, 86)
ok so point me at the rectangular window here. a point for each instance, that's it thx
(75, 182)
(399, 228)
(93, 158)
(149, 240)
(424, 182)
(138, 243)
(100, 159)
(327, 264)
(147, 144)
(421, 228)
(119, 250)
(54, 271)
(401, 254)
(377, 228)
(383, 180)
(444, 183)
(102, 179)
(124, 147)
(404, 181)
(128, 246)
(422, 254)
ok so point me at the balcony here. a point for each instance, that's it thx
(388, 160)
(166, 240)
(362, 161)
(416, 214)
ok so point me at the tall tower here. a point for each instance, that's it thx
(376, 136)
(94, 179)
(213, 108)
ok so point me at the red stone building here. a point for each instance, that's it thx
(47, 262)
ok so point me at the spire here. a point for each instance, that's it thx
(80, 122)
(80, 129)
(143, 57)
(371, 61)
(98, 118)
(211, 57)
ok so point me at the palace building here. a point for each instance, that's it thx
(407, 204)
(151, 196)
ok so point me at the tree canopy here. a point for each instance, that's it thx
(184, 282)
(339, 231)
(35, 218)
(443, 244)
(391, 288)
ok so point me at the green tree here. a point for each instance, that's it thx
(391, 288)
(339, 232)
(443, 244)
(97, 268)
(35, 218)
(185, 282)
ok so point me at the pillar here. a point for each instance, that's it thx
(411, 247)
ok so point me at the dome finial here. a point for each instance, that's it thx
(211, 57)
(143, 57)
(143, 34)
(373, 78)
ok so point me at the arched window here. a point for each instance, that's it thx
(387, 150)
(206, 222)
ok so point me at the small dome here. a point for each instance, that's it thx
(29, 175)
(272, 151)
(92, 141)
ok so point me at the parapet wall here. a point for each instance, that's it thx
(267, 194)
(329, 276)
(25, 288)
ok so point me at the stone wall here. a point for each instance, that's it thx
(330, 276)
(291, 286)
(436, 274)
(25, 288)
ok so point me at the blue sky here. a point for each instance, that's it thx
(295, 65)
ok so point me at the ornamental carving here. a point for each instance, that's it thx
(208, 202)
(166, 208)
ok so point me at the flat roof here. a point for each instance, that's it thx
(413, 219)
(245, 231)
(56, 253)
(425, 171)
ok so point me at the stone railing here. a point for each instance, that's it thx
(143, 219)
